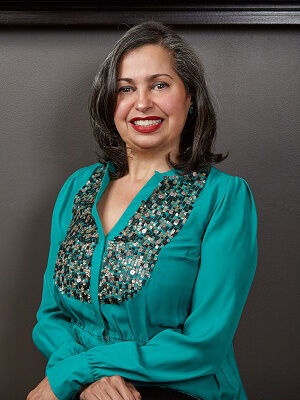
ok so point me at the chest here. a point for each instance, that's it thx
(114, 201)
(154, 227)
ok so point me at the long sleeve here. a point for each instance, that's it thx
(53, 329)
(226, 271)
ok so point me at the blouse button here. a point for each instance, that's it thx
(106, 337)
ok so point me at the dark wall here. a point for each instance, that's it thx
(45, 134)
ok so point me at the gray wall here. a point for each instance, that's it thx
(45, 134)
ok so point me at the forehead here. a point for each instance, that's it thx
(146, 59)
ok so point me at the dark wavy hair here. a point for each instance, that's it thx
(199, 132)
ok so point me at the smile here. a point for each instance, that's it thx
(146, 125)
(147, 122)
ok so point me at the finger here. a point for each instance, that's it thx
(85, 395)
(114, 393)
(137, 395)
(126, 392)
(110, 388)
(117, 388)
(99, 392)
(134, 390)
(34, 394)
(29, 396)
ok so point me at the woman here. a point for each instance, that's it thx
(153, 250)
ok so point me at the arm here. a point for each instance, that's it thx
(53, 329)
(227, 267)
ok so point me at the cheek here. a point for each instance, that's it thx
(122, 110)
(175, 107)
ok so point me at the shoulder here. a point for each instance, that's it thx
(218, 180)
(220, 185)
(83, 174)
(216, 183)
(77, 180)
(79, 177)
(66, 195)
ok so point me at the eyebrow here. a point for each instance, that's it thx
(148, 78)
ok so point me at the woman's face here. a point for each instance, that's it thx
(143, 95)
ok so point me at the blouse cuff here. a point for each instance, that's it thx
(67, 350)
(67, 376)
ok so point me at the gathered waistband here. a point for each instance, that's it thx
(92, 339)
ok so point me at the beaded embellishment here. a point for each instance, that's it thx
(130, 257)
(73, 264)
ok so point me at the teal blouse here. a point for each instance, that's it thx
(159, 298)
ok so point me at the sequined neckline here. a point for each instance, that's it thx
(130, 255)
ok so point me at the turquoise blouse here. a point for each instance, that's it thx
(159, 298)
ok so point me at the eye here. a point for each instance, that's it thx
(123, 89)
(161, 84)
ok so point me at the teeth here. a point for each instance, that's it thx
(147, 122)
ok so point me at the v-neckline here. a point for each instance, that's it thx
(143, 194)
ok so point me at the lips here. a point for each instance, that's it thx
(151, 117)
(145, 128)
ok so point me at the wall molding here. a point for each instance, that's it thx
(177, 12)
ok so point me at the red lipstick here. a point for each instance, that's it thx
(149, 128)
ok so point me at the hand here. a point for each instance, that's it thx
(43, 391)
(110, 388)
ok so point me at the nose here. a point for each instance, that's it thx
(143, 101)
